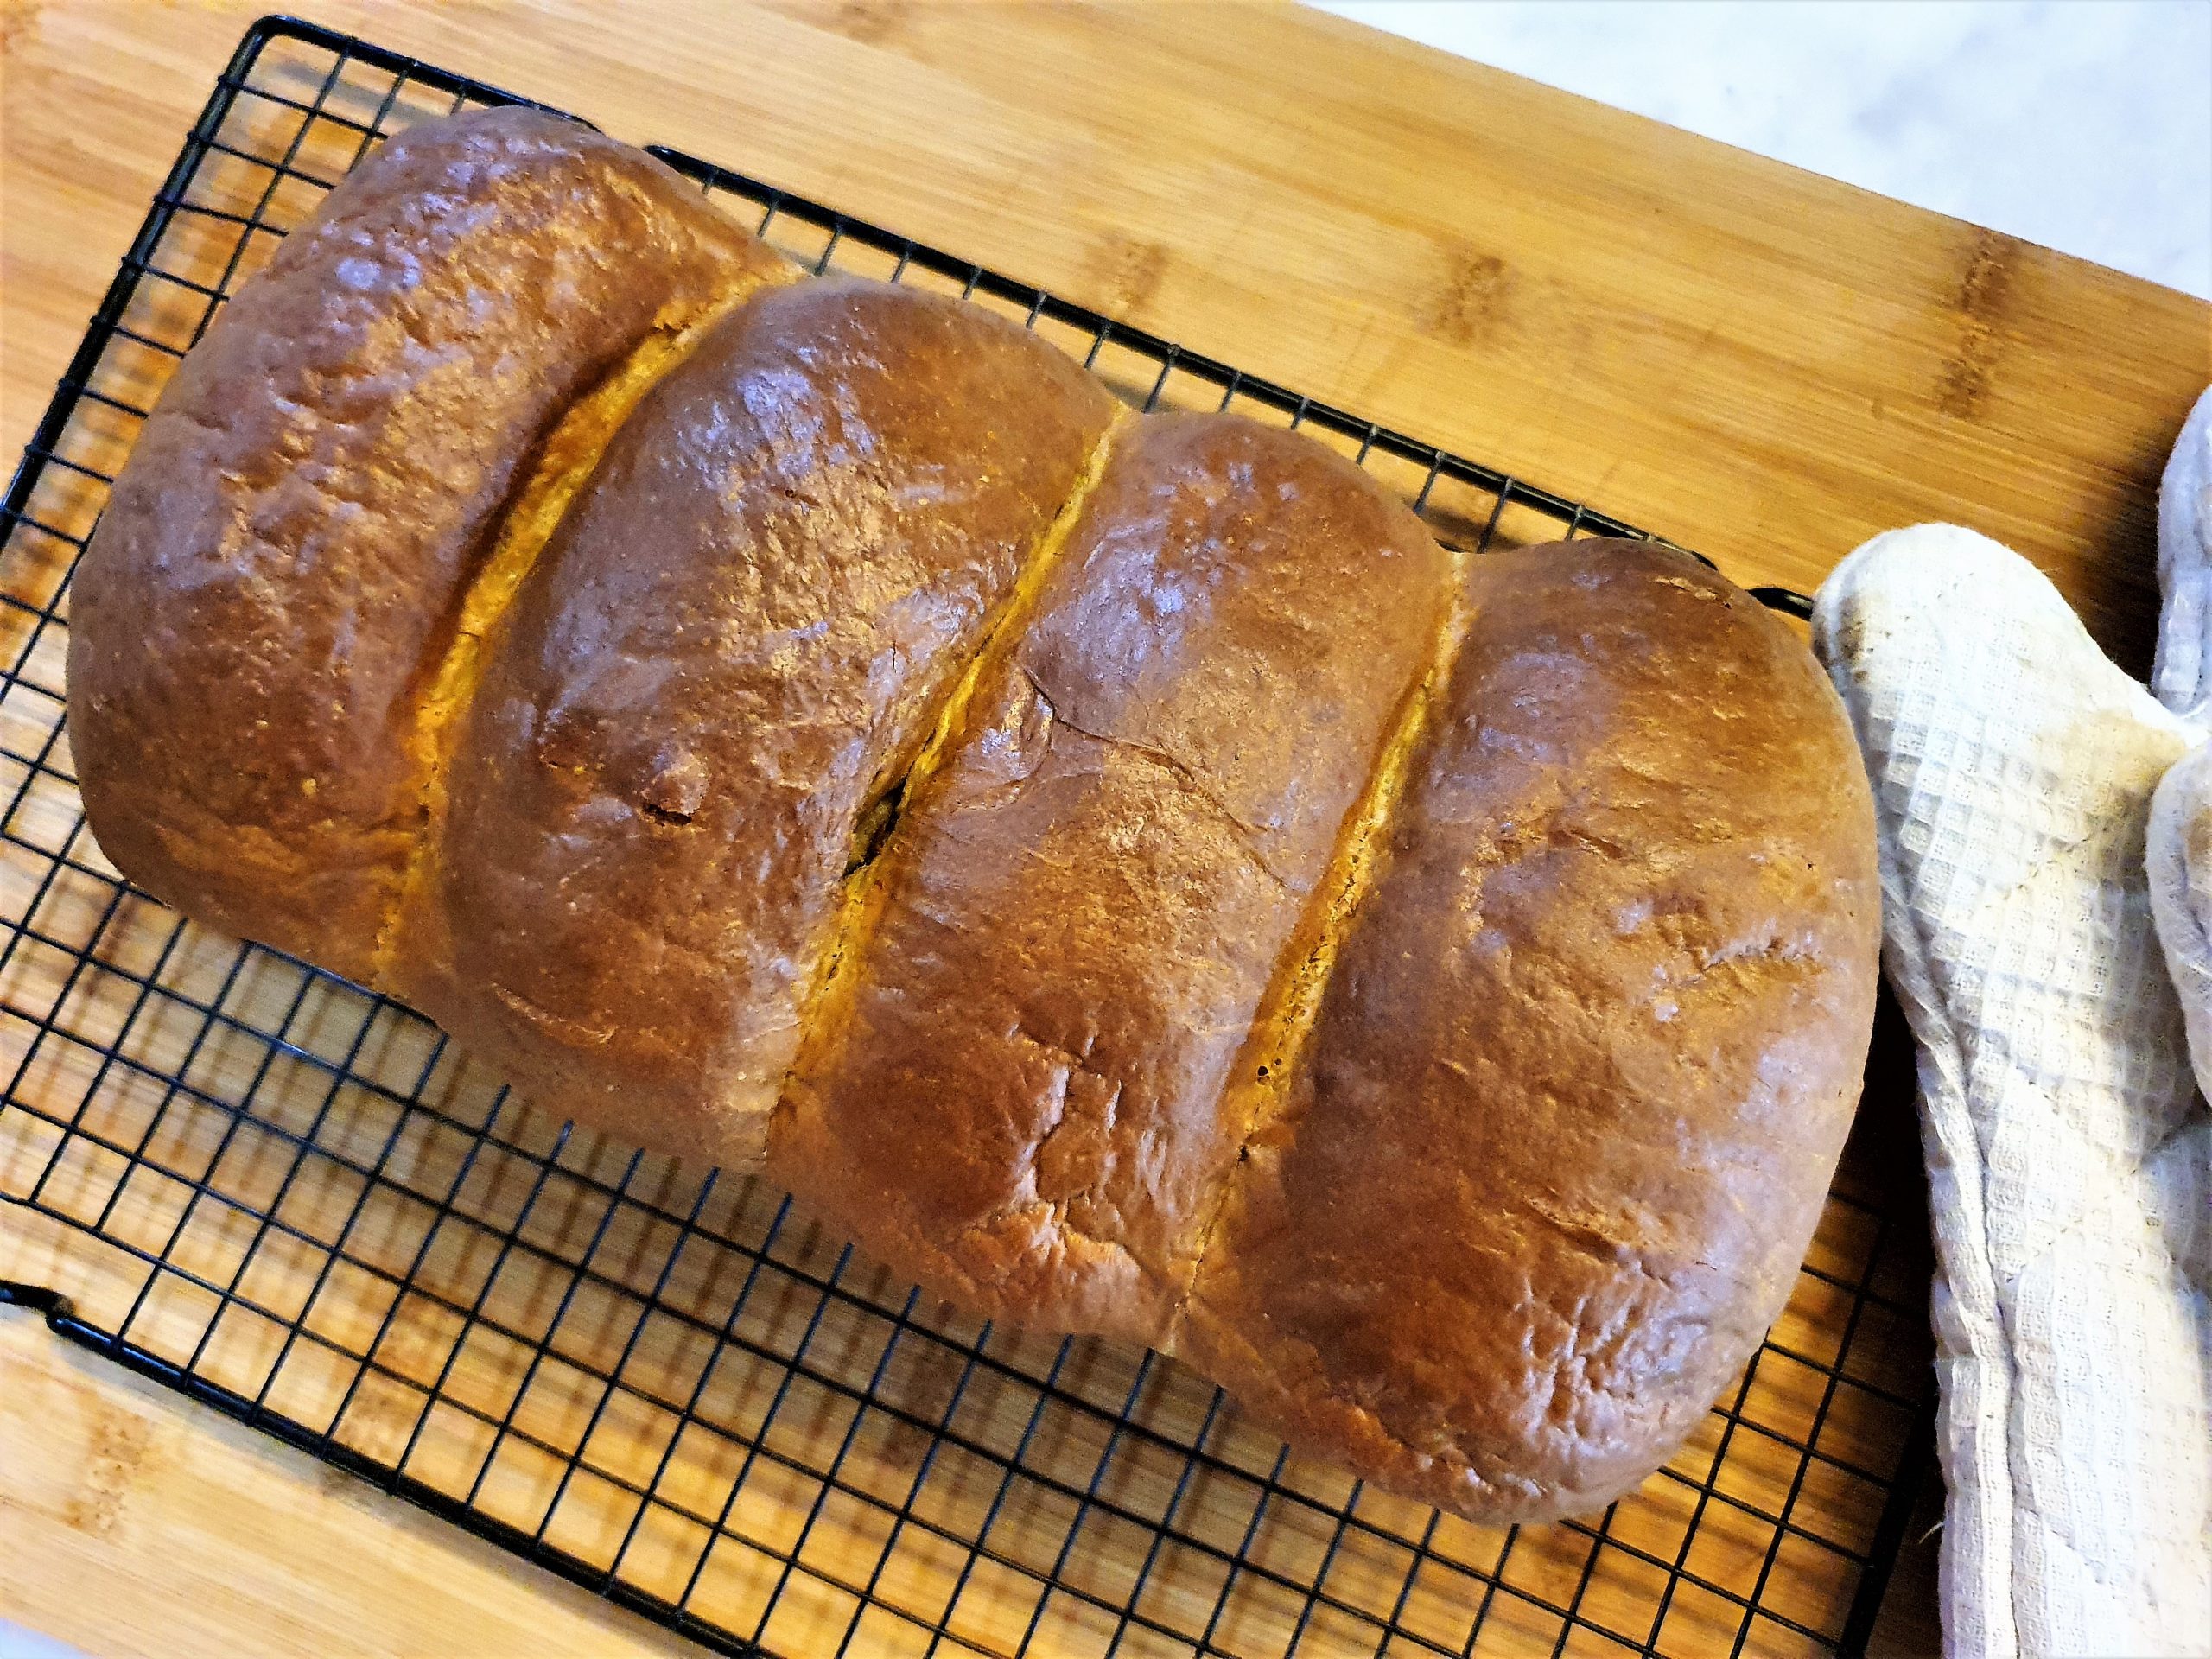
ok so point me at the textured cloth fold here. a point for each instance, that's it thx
(2183, 673)
(2013, 767)
(2177, 856)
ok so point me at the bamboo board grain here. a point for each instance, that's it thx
(1761, 365)
(111, 1502)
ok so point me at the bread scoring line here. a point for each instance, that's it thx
(875, 828)
(1282, 1024)
(568, 453)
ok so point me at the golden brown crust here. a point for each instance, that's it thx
(736, 641)
(1017, 1091)
(1441, 1036)
(1585, 1058)
(279, 567)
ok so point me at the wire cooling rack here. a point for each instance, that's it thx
(673, 1387)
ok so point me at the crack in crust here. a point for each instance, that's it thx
(1246, 835)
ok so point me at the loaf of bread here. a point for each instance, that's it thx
(1119, 868)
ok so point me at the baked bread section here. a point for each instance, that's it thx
(1018, 1088)
(262, 623)
(1560, 1131)
(703, 704)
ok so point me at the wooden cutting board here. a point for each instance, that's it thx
(1762, 364)
(1756, 362)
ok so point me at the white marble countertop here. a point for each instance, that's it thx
(2083, 125)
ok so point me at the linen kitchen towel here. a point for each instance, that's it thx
(2013, 767)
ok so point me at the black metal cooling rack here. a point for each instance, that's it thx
(675, 1389)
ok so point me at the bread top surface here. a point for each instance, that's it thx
(1017, 1088)
(282, 562)
(738, 641)
(1586, 1055)
(1480, 1160)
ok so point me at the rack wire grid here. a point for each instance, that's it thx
(673, 1387)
